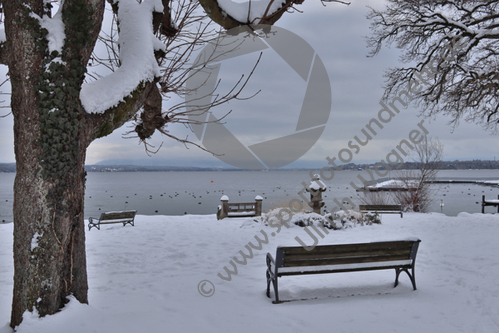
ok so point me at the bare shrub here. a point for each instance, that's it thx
(376, 198)
(417, 194)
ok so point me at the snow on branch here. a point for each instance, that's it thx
(137, 44)
(254, 10)
(251, 10)
(230, 14)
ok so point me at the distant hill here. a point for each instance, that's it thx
(446, 165)
(148, 168)
(162, 162)
(7, 167)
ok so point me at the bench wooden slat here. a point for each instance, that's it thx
(353, 269)
(347, 260)
(344, 253)
(360, 254)
(295, 260)
(117, 215)
(346, 248)
(379, 207)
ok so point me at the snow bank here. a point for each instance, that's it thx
(146, 278)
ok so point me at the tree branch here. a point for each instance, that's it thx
(100, 125)
(459, 41)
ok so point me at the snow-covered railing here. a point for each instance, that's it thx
(489, 203)
(239, 209)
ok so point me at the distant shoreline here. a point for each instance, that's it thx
(446, 165)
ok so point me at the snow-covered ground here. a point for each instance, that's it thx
(145, 279)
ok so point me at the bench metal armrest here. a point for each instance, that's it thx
(270, 263)
(271, 276)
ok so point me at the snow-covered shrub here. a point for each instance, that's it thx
(339, 220)
(351, 218)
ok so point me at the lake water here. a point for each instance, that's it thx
(178, 193)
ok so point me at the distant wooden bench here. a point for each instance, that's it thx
(296, 260)
(239, 209)
(382, 209)
(125, 217)
(489, 203)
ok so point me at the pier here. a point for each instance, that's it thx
(493, 183)
(393, 186)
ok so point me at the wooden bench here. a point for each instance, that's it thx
(239, 209)
(382, 209)
(296, 260)
(112, 217)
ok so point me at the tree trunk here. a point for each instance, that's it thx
(49, 235)
(50, 139)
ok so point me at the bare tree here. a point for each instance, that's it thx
(375, 197)
(416, 193)
(453, 46)
(53, 126)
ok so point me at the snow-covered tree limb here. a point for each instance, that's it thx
(229, 14)
(454, 45)
(138, 64)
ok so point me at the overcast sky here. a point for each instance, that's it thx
(336, 33)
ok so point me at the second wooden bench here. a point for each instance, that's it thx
(125, 217)
(382, 209)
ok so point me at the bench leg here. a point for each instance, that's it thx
(411, 276)
(272, 280)
(128, 222)
(268, 284)
(276, 291)
(95, 225)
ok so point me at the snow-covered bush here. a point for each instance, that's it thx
(350, 218)
(339, 220)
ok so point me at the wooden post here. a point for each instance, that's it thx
(483, 204)
(258, 205)
(224, 207)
